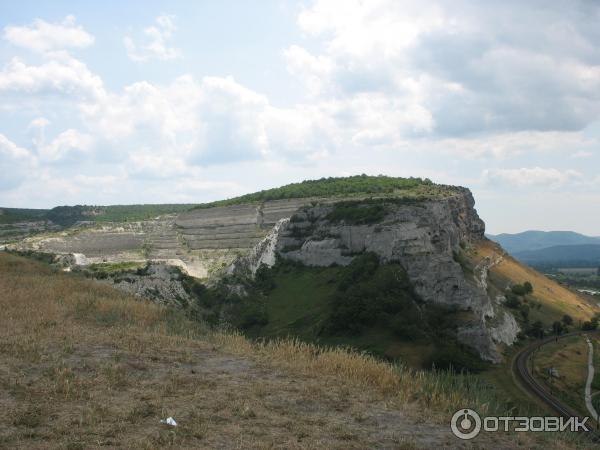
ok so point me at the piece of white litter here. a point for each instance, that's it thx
(169, 421)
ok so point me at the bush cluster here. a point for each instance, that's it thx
(357, 213)
(328, 187)
(370, 292)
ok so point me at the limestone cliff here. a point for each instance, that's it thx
(425, 236)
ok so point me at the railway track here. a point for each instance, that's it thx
(521, 370)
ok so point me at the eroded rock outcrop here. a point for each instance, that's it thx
(264, 253)
(159, 282)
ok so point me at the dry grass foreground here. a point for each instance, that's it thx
(85, 366)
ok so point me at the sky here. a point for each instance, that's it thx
(167, 102)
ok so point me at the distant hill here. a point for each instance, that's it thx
(69, 215)
(537, 240)
(565, 255)
(14, 215)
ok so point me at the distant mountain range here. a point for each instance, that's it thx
(536, 240)
(563, 255)
(551, 247)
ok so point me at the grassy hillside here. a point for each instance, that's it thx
(555, 300)
(360, 307)
(341, 187)
(301, 303)
(68, 215)
(15, 215)
(367, 305)
(85, 366)
(568, 357)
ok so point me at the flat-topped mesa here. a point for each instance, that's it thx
(394, 229)
(418, 224)
(423, 235)
(206, 240)
(237, 223)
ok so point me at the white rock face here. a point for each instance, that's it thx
(160, 284)
(265, 252)
(80, 259)
(506, 331)
(320, 253)
(423, 237)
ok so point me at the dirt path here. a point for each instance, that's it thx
(588, 383)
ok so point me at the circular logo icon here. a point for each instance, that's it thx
(465, 424)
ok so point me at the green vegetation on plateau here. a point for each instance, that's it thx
(367, 211)
(325, 187)
(14, 215)
(355, 213)
(69, 215)
(339, 187)
(359, 185)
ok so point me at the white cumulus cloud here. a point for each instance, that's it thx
(423, 88)
(62, 74)
(469, 67)
(68, 143)
(156, 45)
(531, 176)
(210, 121)
(15, 163)
(42, 36)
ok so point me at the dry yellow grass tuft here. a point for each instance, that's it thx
(85, 366)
